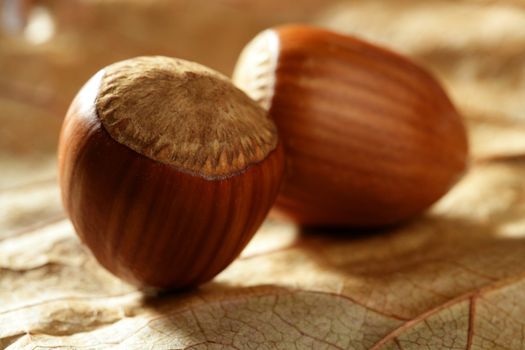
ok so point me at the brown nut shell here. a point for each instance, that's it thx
(156, 223)
(371, 138)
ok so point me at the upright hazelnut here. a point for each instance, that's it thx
(166, 170)
(371, 138)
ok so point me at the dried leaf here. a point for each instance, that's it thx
(475, 47)
(452, 279)
(24, 207)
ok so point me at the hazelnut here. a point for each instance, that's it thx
(371, 138)
(166, 170)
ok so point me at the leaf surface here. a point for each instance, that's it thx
(451, 279)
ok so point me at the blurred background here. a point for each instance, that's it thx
(49, 48)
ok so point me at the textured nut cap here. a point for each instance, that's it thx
(183, 114)
(255, 68)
